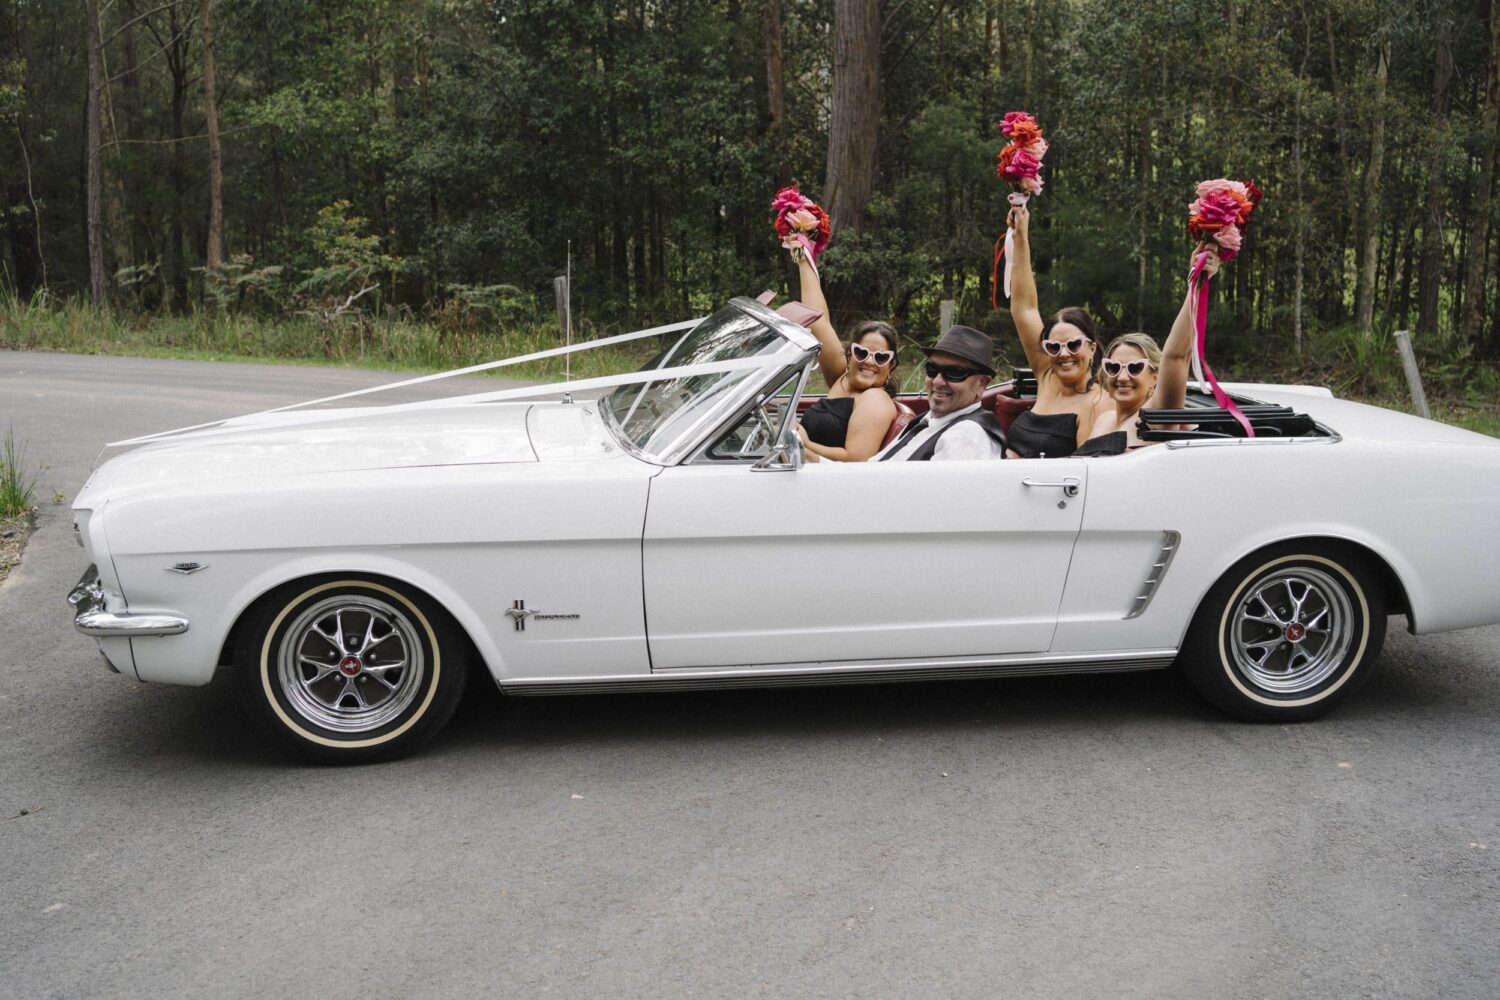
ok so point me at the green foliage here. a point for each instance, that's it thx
(348, 260)
(17, 486)
(240, 286)
(421, 147)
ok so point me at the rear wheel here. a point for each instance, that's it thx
(350, 670)
(1286, 634)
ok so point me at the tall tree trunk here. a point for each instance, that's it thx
(776, 94)
(855, 112)
(214, 255)
(1346, 168)
(1364, 296)
(94, 172)
(1474, 279)
(1299, 219)
(174, 47)
(1430, 275)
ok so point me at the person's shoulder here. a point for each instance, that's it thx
(876, 398)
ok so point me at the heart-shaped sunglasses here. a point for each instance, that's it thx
(863, 353)
(1135, 368)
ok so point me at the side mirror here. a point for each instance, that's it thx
(786, 455)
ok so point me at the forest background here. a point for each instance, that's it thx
(399, 181)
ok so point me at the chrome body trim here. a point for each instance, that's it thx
(1169, 542)
(958, 668)
(1333, 438)
(91, 618)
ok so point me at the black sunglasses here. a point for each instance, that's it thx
(951, 373)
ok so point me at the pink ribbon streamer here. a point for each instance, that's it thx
(807, 250)
(1198, 282)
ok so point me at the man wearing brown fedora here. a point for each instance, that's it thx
(959, 368)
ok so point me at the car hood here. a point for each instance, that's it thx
(282, 445)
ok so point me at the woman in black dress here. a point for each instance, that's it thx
(1064, 354)
(851, 422)
(1140, 375)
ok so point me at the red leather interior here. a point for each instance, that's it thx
(1000, 399)
(904, 415)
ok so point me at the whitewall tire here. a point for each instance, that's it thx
(1286, 634)
(349, 670)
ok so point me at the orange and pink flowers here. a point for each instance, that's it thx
(1221, 212)
(1020, 162)
(801, 224)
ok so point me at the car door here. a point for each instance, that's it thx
(857, 562)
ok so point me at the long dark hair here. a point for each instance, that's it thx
(862, 330)
(1076, 316)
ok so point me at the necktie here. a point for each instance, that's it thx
(912, 429)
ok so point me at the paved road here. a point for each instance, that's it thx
(1066, 837)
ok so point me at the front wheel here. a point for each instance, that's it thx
(1286, 635)
(349, 670)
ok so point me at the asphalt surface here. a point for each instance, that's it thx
(1065, 837)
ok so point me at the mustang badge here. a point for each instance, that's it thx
(519, 613)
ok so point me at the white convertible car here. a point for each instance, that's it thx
(350, 565)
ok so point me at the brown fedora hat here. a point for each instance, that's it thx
(967, 343)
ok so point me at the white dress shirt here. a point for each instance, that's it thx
(967, 440)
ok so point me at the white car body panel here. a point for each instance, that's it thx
(863, 561)
(570, 528)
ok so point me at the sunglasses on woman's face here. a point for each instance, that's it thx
(952, 374)
(863, 353)
(1056, 347)
(1135, 368)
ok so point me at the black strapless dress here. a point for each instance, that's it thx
(827, 421)
(1044, 435)
(1105, 444)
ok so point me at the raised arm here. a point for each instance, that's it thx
(1177, 352)
(831, 360)
(1023, 305)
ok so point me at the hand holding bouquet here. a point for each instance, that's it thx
(1217, 218)
(1020, 163)
(802, 226)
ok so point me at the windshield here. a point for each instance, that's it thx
(662, 417)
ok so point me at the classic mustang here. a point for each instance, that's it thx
(351, 565)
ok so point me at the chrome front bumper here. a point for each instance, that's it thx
(90, 618)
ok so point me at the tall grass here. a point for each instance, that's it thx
(389, 342)
(17, 486)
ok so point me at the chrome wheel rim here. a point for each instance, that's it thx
(351, 663)
(1292, 630)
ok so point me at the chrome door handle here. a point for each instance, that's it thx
(1069, 486)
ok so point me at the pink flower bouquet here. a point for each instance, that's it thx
(802, 226)
(1020, 162)
(1221, 212)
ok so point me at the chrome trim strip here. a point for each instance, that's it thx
(1334, 437)
(854, 674)
(87, 596)
(1169, 542)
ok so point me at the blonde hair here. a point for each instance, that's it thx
(1143, 342)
